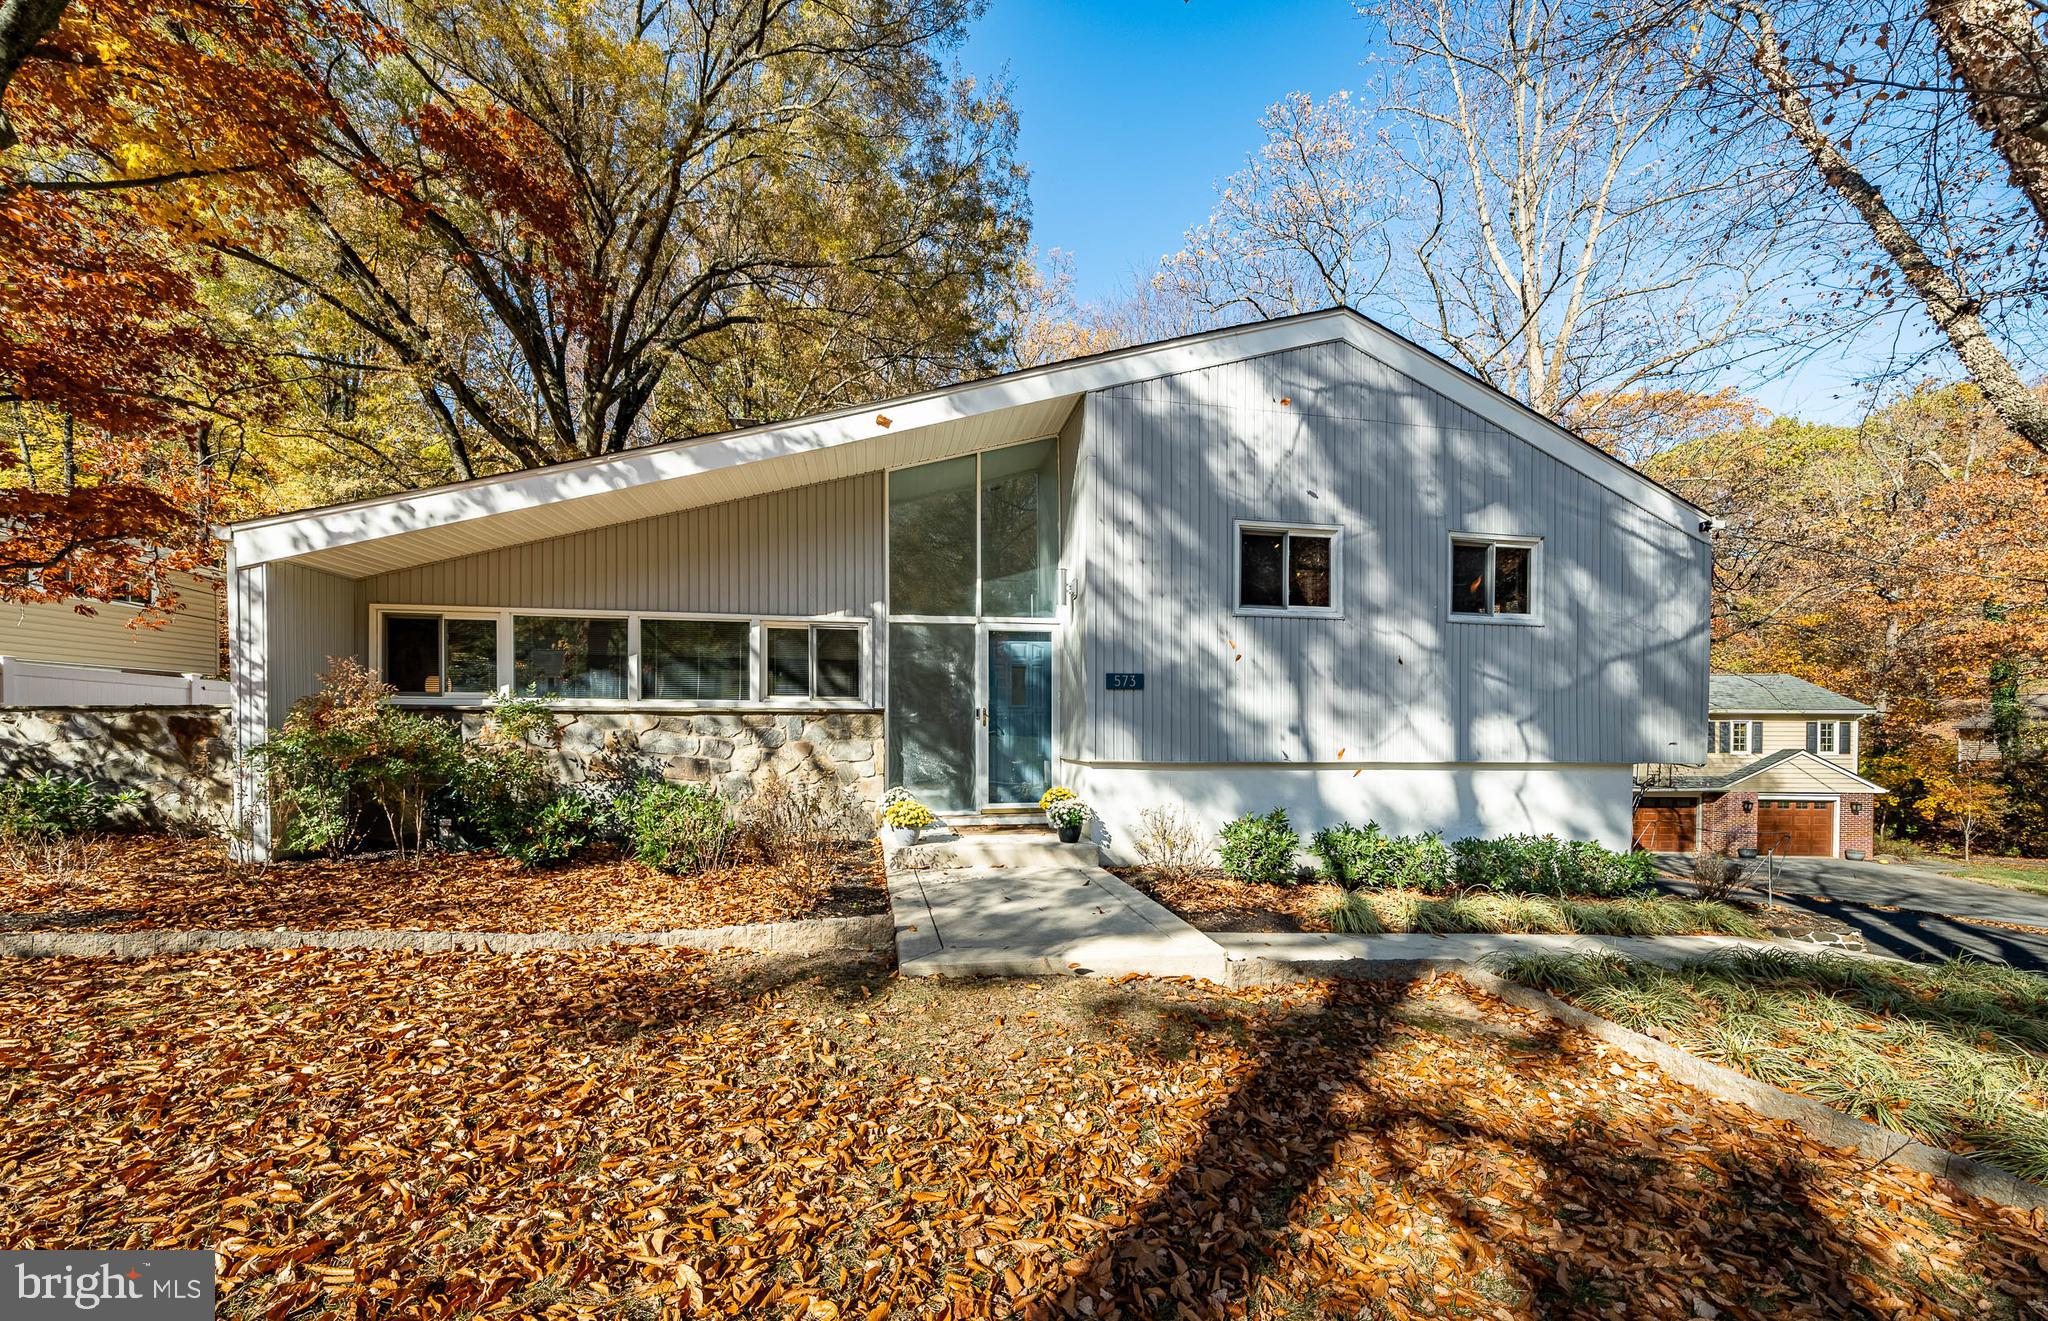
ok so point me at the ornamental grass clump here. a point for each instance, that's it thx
(1952, 1054)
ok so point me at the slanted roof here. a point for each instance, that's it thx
(363, 537)
(1774, 694)
(1820, 776)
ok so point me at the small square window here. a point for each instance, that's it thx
(820, 662)
(1493, 579)
(1287, 570)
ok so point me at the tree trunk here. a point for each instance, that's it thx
(23, 24)
(2002, 63)
(1954, 310)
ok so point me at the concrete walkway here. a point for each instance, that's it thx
(1028, 906)
(1022, 905)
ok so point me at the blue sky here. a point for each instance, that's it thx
(1132, 111)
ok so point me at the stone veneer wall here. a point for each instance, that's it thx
(731, 750)
(178, 756)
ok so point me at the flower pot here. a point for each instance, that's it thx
(1853, 855)
(1745, 853)
(1070, 834)
(898, 837)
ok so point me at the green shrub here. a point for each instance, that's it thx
(1365, 855)
(1545, 864)
(1261, 848)
(51, 806)
(564, 826)
(680, 827)
(1348, 853)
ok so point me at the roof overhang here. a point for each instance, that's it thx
(378, 535)
(1854, 712)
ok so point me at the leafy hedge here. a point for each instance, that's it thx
(1366, 856)
(1261, 849)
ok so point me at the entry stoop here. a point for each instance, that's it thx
(1009, 849)
(1022, 904)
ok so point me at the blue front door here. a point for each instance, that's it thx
(1019, 716)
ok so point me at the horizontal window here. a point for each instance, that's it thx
(1493, 578)
(425, 654)
(568, 656)
(694, 660)
(1286, 570)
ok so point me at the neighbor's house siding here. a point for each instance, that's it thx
(1781, 733)
(1616, 673)
(188, 642)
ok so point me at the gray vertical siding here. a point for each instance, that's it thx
(1616, 673)
(812, 550)
(1070, 660)
(311, 621)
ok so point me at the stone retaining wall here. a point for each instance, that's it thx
(178, 756)
(731, 750)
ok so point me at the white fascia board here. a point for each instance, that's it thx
(1803, 755)
(285, 536)
(1582, 457)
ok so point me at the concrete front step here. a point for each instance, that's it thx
(1011, 849)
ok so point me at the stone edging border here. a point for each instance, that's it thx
(1884, 1147)
(830, 935)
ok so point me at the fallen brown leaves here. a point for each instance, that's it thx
(642, 1132)
(1211, 901)
(155, 881)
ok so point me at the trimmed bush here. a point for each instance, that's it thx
(44, 807)
(680, 828)
(1366, 856)
(1261, 849)
(1545, 864)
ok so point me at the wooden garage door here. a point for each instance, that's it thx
(1665, 825)
(1799, 827)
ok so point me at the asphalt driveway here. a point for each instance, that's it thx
(1912, 912)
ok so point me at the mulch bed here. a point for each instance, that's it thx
(160, 882)
(638, 1132)
(1212, 901)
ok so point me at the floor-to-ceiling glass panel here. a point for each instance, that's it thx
(1020, 530)
(1019, 716)
(931, 713)
(931, 539)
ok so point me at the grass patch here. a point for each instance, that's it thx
(1954, 1054)
(1373, 912)
(2026, 874)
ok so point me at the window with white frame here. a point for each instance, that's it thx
(1493, 578)
(819, 661)
(429, 654)
(1285, 570)
(432, 654)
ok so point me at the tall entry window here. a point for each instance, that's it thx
(973, 543)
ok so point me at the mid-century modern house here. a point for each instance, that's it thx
(1302, 563)
(1780, 775)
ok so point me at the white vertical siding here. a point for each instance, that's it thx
(1617, 671)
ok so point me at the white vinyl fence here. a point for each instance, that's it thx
(44, 683)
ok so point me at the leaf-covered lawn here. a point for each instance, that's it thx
(155, 881)
(644, 1132)
(2028, 874)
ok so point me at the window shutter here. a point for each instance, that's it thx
(1723, 727)
(1813, 736)
(1756, 738)
(1842, 735)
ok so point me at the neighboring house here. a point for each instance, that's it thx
(1780, 775)
(1301, 563)
(186, 642)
